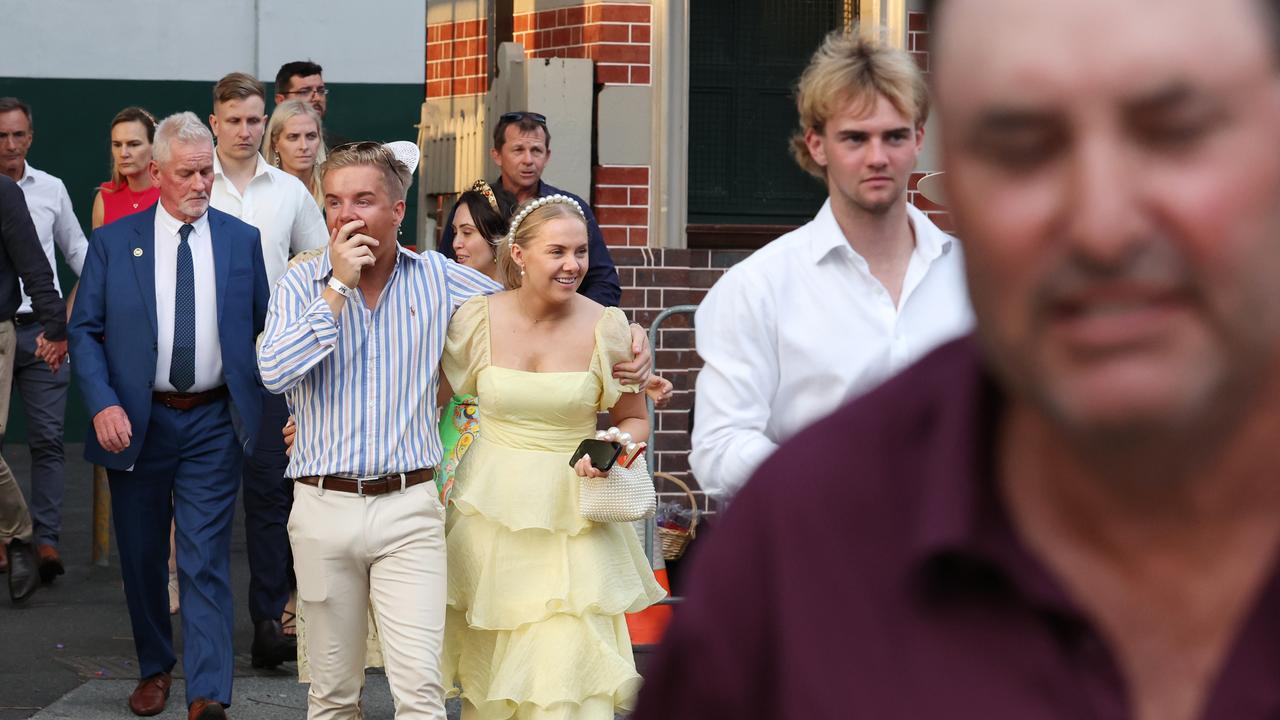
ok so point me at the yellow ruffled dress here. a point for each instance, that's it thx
(535, 625)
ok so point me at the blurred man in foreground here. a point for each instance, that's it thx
(1074, 514)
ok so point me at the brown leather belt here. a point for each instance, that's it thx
(186, 401)
(370, 486)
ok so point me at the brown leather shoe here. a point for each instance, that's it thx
(149, 697)
(204, 709)
(50, 562)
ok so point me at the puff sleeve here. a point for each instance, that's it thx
(466, 348)
(613, 346)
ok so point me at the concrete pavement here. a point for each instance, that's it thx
(67, 653)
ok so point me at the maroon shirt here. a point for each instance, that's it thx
(870, 570)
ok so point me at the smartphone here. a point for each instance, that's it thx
(602, 453)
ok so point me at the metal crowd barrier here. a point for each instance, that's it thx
(650, 526)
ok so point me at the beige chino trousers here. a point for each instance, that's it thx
(15, 521)
(348, 549)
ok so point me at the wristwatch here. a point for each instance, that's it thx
(336, 285)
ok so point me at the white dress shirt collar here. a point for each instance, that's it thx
(825, 235)
(259, 168)
(167, 224)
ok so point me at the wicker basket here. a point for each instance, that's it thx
(672, 541)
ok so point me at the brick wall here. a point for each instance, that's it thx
(615, 35)
(652, 280)
(918, 38)
(918, 45)
(937, 213)
(620, 200)
(457, 58)
(617, 38)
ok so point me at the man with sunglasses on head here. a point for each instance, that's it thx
(304, 80)
(521, 149)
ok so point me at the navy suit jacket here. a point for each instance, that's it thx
(113, 338)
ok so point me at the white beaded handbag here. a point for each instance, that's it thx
(627, 493)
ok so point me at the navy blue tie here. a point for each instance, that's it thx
(182, 370)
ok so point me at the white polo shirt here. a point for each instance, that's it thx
(280, 206)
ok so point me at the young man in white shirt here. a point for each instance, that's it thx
(44, 393)
(290, 221)
(833, 308)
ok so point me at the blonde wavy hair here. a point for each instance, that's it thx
(848, 67)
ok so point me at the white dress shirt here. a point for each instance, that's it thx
(56, 224)
(208, 346)
(280, 206)
(801, 326)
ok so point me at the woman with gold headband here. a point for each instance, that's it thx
(479, 223)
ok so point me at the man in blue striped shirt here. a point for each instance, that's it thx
(354, 339)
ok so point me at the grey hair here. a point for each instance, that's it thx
(183, 127)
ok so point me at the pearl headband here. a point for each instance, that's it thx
(534, 205)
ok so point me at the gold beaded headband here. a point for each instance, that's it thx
(483, 188)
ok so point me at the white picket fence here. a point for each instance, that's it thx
(453, 153)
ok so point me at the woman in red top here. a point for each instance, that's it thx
(130, 190)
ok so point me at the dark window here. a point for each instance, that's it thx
(744, 59)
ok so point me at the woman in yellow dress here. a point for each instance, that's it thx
(536, 594)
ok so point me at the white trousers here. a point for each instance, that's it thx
(348, 549)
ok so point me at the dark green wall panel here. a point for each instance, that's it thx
(72, 142)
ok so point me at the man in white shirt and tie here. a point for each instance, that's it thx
(44, 393)
(168, 309)
(283, 210)
(831, 309)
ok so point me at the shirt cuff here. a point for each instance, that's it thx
(320, 317)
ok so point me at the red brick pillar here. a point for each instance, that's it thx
(457, 59)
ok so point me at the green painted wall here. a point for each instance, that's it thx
(71, 119)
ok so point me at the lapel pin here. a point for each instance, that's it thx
(137, 252)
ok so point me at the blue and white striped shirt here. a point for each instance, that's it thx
(363, 388)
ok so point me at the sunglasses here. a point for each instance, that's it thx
(521, 115)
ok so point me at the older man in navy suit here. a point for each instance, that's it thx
(170, 303)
